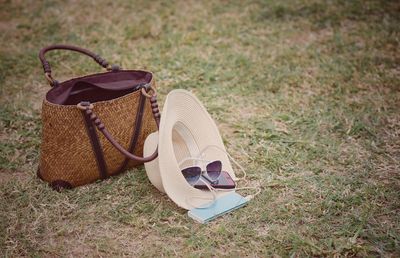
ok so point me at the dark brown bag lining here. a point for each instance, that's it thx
(97, 87)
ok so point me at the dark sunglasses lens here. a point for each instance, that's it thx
(214, 169)
(192, 174)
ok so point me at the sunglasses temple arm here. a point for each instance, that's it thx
(212, 189)
(206, 177)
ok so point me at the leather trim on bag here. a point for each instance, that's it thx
(38, 174)
(58, 185)
(96, 147)
(136, 132)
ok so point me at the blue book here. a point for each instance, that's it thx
(220, 207)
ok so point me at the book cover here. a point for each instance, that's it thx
(221, 206)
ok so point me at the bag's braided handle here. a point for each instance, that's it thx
(88, 108)
(46, 65)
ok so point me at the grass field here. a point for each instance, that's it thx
(306, 94)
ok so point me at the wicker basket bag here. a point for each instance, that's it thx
(95, 126)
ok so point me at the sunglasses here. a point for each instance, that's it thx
(212, 172)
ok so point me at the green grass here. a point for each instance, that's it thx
(306, 94)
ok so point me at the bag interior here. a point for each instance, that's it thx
(98, 87)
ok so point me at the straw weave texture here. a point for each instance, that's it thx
(66, 152)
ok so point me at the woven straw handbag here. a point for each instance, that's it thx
(95, 126)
